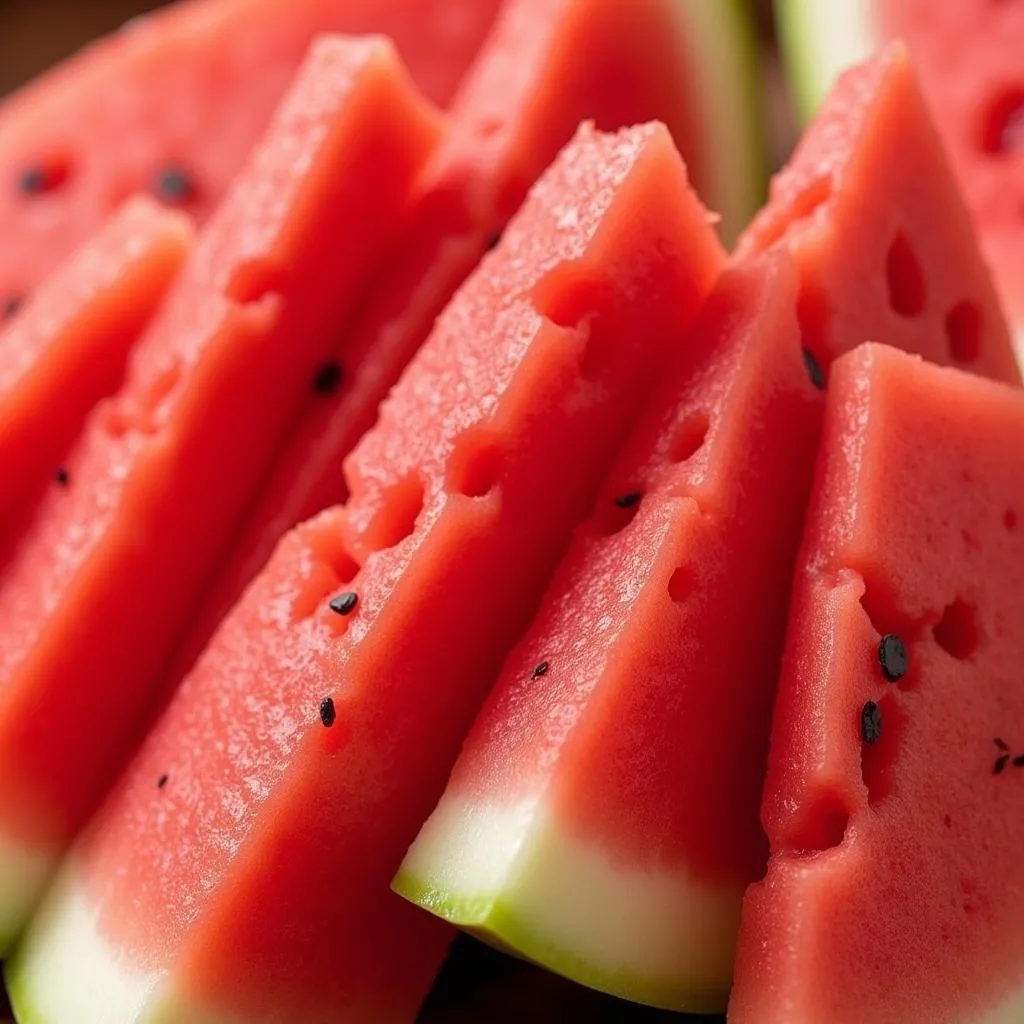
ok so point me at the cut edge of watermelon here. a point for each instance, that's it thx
(98, 988)
(818, 41)
(535, 892)
(721, 45)
(25, 873)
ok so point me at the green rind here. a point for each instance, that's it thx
(494, 921)
(19, 996)
(811, 66)
(725, 61)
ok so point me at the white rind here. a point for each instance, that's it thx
(24, 873)
(65, 972)
(820, 39)
(653, 935)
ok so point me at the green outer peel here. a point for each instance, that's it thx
(819, 39)
(494, 920)
(722, 50)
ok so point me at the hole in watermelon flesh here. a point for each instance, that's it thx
(689, 437)
(879, 601)
(821, 827)
(572, 299)
(963, 329)
(476, 465)
(396, 517)
(253, 282)
(905, 279)
(1002, 131)
(142, 412)
(957, 631)
(879, 758)
(805, 200)
(682, 584)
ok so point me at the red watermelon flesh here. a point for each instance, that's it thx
(548, 65)
(103, 583)
(173, 104)
(303, 752)
(67, 349)
(869, 208)
(602, 818)
(895, 891)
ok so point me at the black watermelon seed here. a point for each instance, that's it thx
(327, 712)
(892, 656)
(34, 180)
(1018, 761)
(62, 477)
(175, 185)
(344, 604)
(494, 241)
(814, 370)
(628, 500)
(327, 379)
(161, 782)
(871, 722)
(1001, 762)
(10, 306)
(1001, 744)
(540, 670)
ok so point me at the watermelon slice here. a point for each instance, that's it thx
(174, 103)
(578, 827)
(102, 585)
(241, 870)
(870, 211)
(895, 891)
(968, 54)
(548, 65)
(68, 348)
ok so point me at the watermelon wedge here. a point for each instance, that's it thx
(241, 869)
(67, 349)
(547, 66)
(173, 104)
(895, 891)
(870, 210)
(968, 54)
(579, 828)
(103, 583)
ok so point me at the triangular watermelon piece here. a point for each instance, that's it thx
(242, 867)
(547, 66)
(895, 891)
(885, 246)
(587, 772)
(174, 102)
(968, 54)
(68, 347)
(103, 583)
(579, 827)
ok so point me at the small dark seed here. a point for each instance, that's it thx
(34, 180)
(327, 712)
(494, 241)
(871, 722)
(892, 656)
(10, 306)
(344, 604)
(1018, 761)
(62, 477)
(161, 782)
(814, 370)
(1001, 744)
(327, 379)
(628, 500)
(175, 185)
(1001, 762)
(540, 670)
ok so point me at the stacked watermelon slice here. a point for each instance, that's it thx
(419, 519)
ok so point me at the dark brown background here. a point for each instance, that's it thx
(477, 986)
